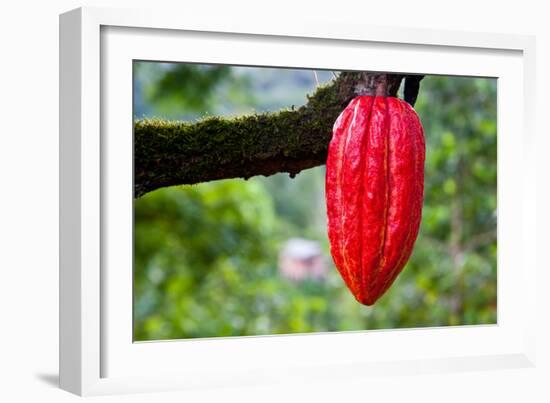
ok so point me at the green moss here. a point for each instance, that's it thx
(173, 152)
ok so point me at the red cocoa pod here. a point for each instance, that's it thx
(374, 190)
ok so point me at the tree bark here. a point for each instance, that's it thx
(168, 153)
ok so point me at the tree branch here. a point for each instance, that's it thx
(168, 153)
(412, 86)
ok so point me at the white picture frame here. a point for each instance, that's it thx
(97, 353)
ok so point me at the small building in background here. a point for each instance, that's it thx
(302, 259)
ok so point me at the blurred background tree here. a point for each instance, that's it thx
(208, 257)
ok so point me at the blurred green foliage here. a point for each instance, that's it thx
(206, 255)
(180, 91)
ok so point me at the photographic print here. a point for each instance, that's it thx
(282, 200)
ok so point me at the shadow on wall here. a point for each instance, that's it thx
(49, 379)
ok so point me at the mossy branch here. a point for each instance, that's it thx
(168, 153)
